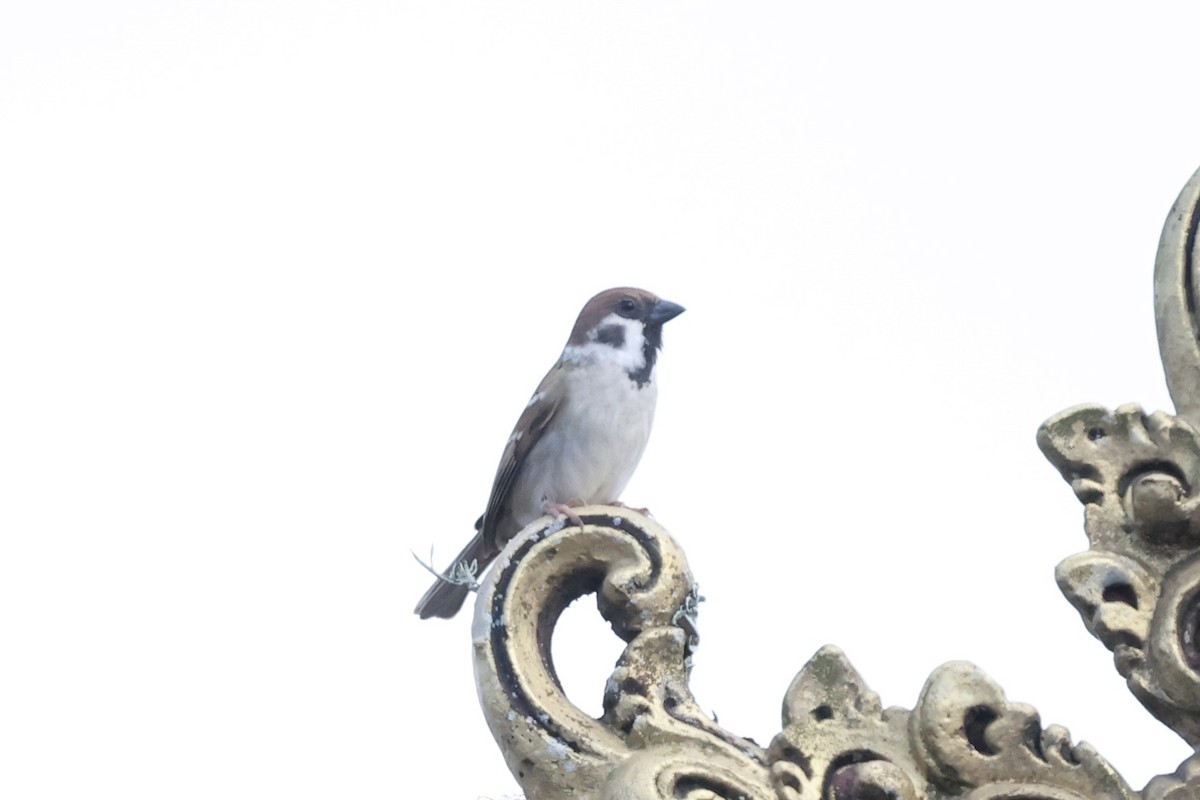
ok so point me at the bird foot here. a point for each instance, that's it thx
(619, 504)
(566, 509)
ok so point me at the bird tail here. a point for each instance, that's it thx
(446, 597)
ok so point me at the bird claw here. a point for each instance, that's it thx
(643, 511)
(567, 510)
(564, 510)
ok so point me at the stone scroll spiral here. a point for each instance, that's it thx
(1137, 589)
(653, 740)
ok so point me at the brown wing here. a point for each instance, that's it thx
(537, 415)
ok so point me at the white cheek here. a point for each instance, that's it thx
(629, 356)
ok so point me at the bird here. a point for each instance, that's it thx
(580, 437)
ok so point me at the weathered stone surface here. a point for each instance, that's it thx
(1138, 586)
(653, 735)
(1176, 287)
(653, 741)
(1183, 784)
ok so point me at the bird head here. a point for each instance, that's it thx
(622, 326)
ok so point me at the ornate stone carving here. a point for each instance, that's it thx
(653, 740)
(1183, 784)
(963, 739)
(1176, 286)
(1137, 589)
(1138, 475)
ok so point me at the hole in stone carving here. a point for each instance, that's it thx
(794, 756)
(1067, 753)
(669, 703)
(1096, 434)
(1189, 631)
(1120, 593)
(584, 651)
(975, 723)
(790, 781)
(822, 713)
(842, 780)
(1145, 468)
(705, 786)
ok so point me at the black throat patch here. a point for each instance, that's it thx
(650, 347)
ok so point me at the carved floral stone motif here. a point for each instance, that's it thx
(1137, 589)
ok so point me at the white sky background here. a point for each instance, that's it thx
(278, 278)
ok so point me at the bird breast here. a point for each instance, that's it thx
(592, 447)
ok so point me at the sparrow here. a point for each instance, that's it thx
(581, 434)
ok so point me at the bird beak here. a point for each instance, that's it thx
(663, 311)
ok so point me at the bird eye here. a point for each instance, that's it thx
(626, 306)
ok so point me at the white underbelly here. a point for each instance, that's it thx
(590, 450)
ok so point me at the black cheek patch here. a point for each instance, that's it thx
(612, 335)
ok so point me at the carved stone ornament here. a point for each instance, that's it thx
(1137, 589)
